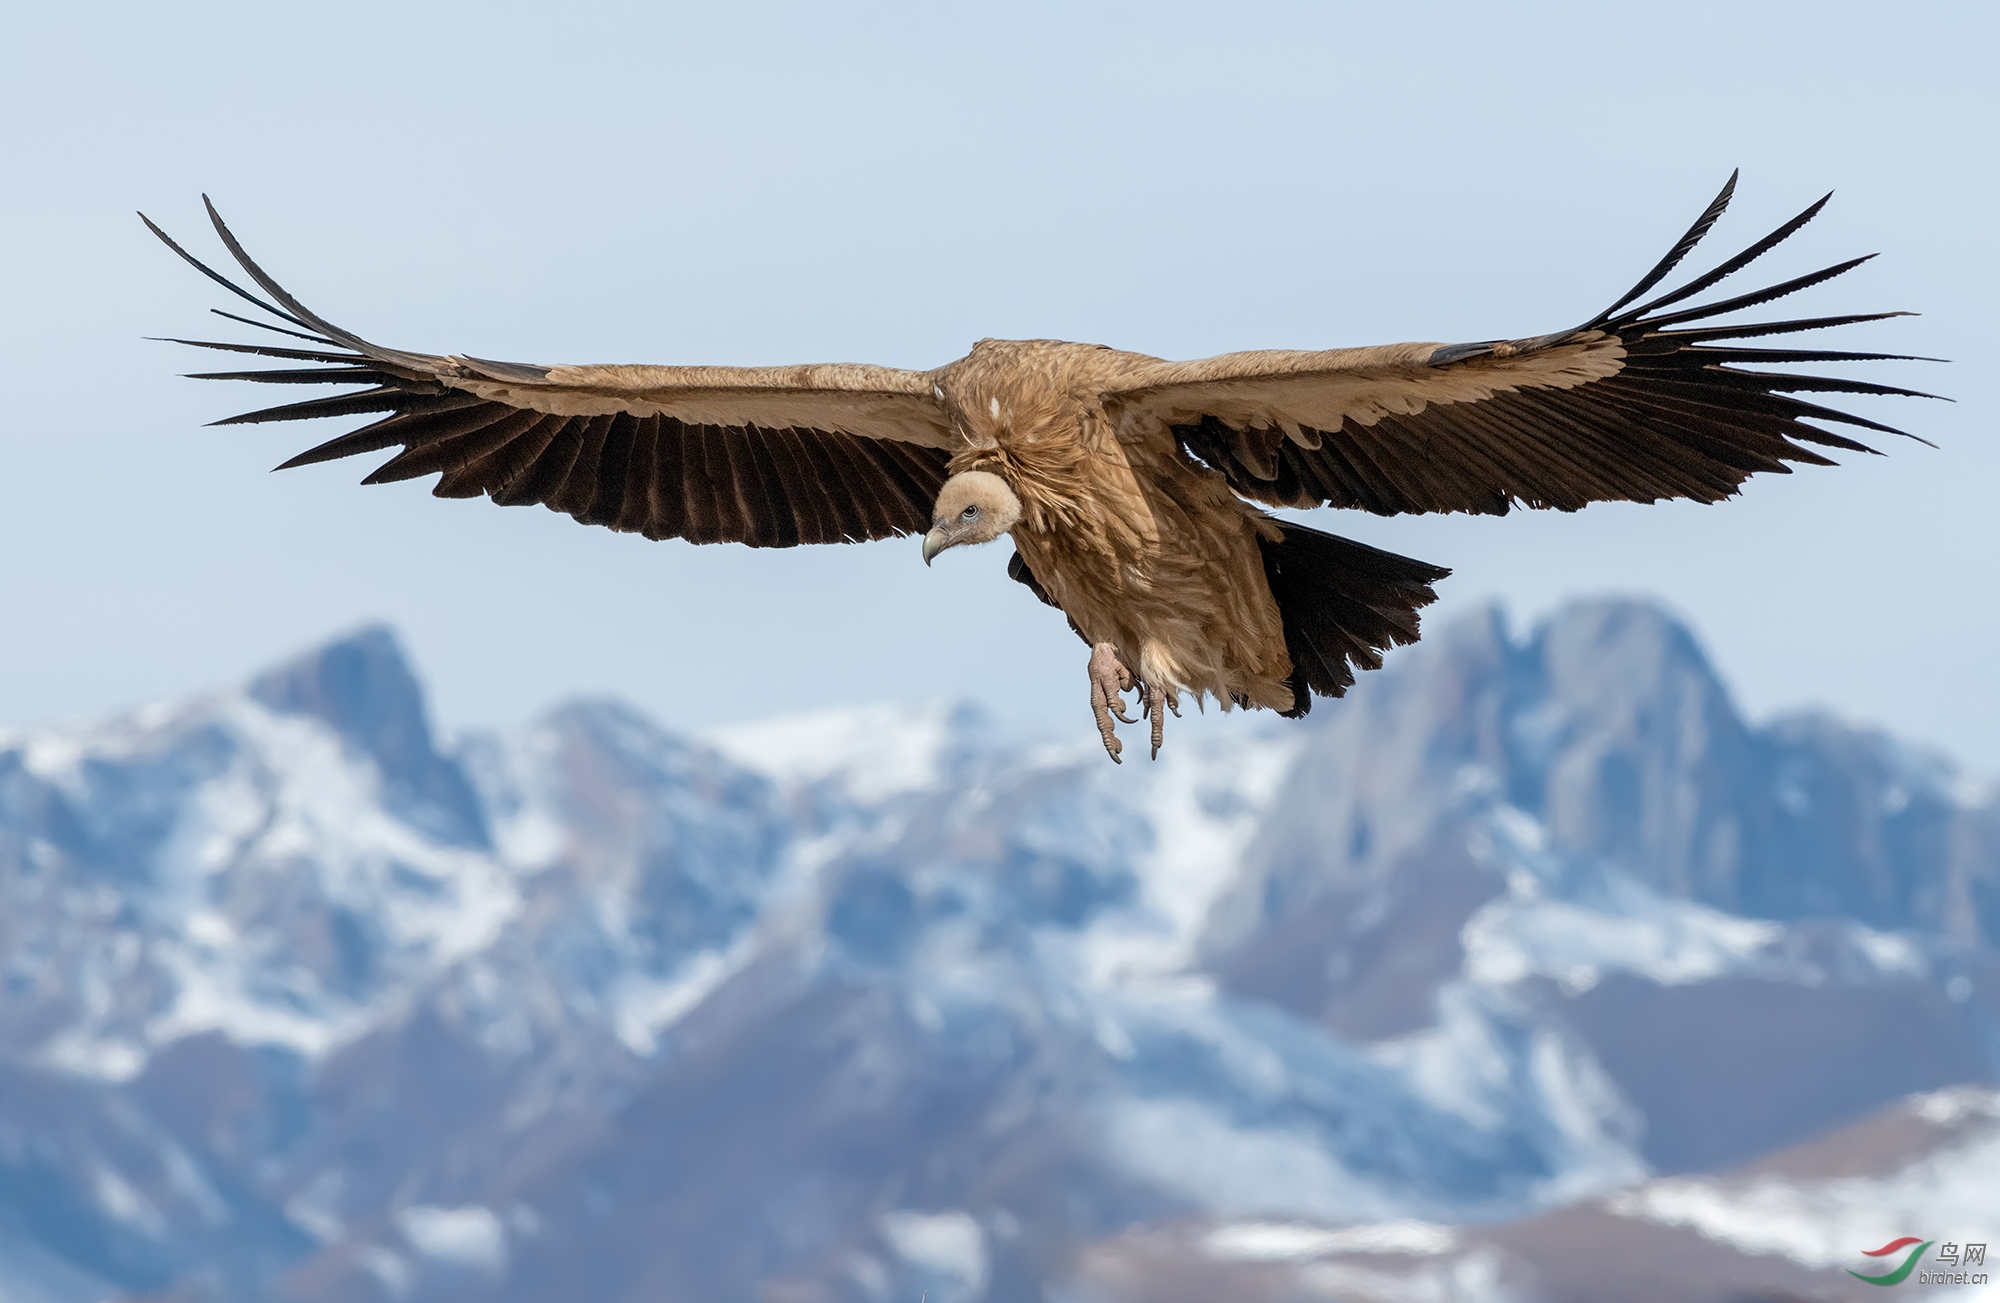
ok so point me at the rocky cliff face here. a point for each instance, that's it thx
(1610, 728)
(301, 1002)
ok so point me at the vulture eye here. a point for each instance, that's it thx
(971, 513)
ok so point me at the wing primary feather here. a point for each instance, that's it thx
(929, 468)
(434, 440)
(539, 479)
(452, 485)
(1744, 440)
(899, 490)
(1680, 250)
(1729, 428)
(1756, 297)
(723, 496)
(822, 465)
(379, 399)
(217, 276)
(923, 470)
(754, 492)
(703, 522)
(302, 315)
(857, 476)
(276, 330)
(1752, 330)
(1516, 463)
(1312, 488)
(614, 461)
(298, 313)
(1417, 473)
(762, 491)
(367, 439)
(1336, 457)
(636, 506)
(1784, 383)
(1734, 265)
(492, 473)
(739, 493)
(1591, 465)
(1710, 432)
(738, 490)
(1331, 463)
(385, 433)
(1661, 465)
(1776, 355)
(262, 350)
(1481, 464)
(1364, 458)
(1582, 477)
(333, 375)
(446, 445)
(801, 487)
(667, 517)
(576, 492)
(1760, 401)
(1707, 467)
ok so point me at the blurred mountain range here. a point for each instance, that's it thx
(1531, 971)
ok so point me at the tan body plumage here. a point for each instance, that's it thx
(1140, 546)
(1133, 487)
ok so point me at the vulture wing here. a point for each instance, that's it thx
(1634, 405)
(769, 456)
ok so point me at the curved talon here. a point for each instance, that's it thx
(1109, 679)
(1156, 697)
(1153, 700)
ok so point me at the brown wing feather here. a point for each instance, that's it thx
(767, 456)
(1628, 407)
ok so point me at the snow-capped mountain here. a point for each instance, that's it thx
(301, 1002)
(1799, 1224)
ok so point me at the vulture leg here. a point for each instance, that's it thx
(1109, 679)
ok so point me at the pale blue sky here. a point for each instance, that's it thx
(751, 183)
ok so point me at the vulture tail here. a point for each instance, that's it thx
(1343, 604)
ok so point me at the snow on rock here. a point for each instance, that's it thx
(1231, 1169)
(1950, 1193)
(471, 1237)
(948, 1248)
(1301, 1242)
(1203, 801)
(874, 752)
(1620, 926)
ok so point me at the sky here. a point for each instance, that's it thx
(764, 183)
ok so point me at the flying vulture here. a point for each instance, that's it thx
(1136, 490)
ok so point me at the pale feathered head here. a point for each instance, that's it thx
(976, 507)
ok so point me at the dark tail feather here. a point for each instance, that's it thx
(1343, 604)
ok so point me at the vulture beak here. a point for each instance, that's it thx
(934, 543)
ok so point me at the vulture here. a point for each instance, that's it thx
(1138, 492)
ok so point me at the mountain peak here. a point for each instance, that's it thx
(1606, 653)
(360, 683)
(361, 686)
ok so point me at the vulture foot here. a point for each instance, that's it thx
(1109, 679)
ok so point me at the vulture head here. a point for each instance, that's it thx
(976, 507)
